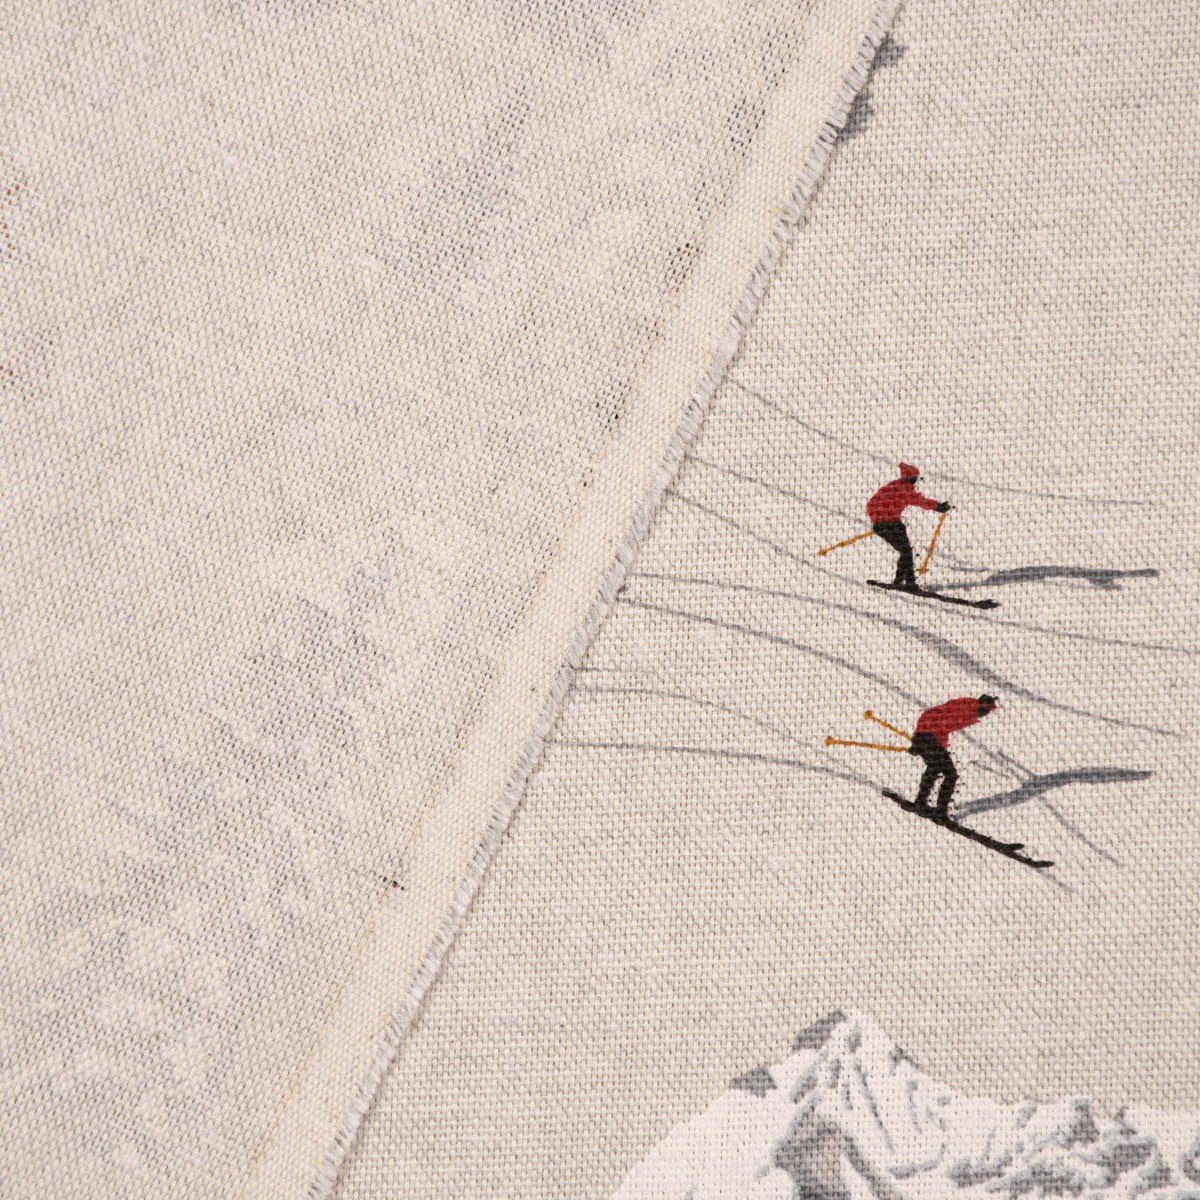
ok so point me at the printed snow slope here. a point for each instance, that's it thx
(849, 1116)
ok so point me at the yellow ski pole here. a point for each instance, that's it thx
(870, 716)
(934, 541)
(832, 741)
(858, 537)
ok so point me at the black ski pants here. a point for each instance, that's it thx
(896, 536)
(938, 765)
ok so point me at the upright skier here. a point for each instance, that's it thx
(931, 741)
(886, 510)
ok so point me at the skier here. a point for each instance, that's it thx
(886, 508)
(931, 739)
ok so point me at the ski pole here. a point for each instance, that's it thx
(870, 716)
(832, 741)
(858, 537)
(933, 542)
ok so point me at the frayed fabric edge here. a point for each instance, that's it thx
(789, 219)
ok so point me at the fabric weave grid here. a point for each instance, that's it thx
(322, 324)
(994, 283)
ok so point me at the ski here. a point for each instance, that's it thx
(1008, 849)
(928, 594)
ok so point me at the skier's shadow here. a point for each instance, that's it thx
(1106, 579)
(1037, 786)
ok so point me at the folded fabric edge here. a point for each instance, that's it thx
(787, 220)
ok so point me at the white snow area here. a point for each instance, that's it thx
(850, 1117)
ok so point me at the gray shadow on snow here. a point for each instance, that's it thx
(988, 619)
(1105, 578)
(1037, 786)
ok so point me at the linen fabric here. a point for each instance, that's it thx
(995, 283)
(341, 344)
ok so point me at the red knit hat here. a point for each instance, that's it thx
(908, 471)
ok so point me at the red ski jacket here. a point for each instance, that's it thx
(944, 719)
(889, 503)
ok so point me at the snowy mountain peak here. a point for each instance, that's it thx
(849, 1116)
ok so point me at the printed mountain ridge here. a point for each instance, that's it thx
(850, 1116)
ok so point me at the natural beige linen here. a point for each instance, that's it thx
(995, 282)
(342, 342)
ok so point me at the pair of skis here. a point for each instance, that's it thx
(916, 590)
(930, 594)
(1007, 849)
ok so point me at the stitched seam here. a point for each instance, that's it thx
(438, 790)
(826, 135)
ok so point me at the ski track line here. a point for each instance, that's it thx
(749, 756)
(786, 736)
(942, 646)
(787, 414)
(959, 563)
(774, 760)
(716, 705)
(791, 555)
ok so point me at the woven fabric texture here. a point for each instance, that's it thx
(996, 282)
(340, 344)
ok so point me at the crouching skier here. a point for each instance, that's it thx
(931, 742)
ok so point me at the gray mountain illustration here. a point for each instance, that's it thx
(849, 1116)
